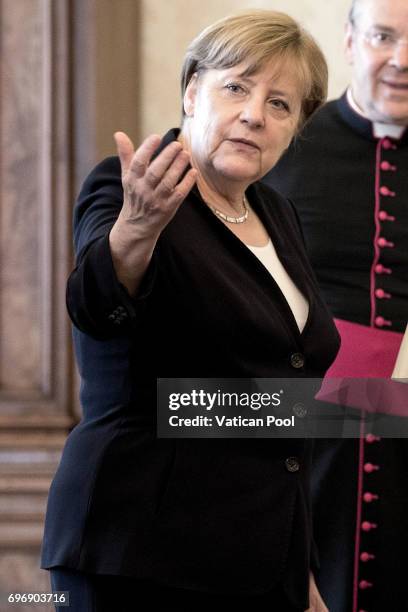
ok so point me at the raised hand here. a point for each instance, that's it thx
(152, 193)
(153, 190)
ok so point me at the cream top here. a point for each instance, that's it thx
(297, 302)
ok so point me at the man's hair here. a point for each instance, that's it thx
(352, 16)
(255, 37)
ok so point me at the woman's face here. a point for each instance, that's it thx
(239, 125)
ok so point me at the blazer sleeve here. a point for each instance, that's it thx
(97, 302)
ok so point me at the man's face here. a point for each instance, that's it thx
(377, 49)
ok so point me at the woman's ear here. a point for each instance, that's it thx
(190, 95)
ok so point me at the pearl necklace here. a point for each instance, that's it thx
(230, 219)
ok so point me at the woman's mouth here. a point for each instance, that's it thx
(245, 143)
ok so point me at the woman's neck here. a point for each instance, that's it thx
(227, 200)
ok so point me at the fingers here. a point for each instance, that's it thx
(169, 180)
(136, 162)
(155, 173)
(153, 190)
(158, 167)
(143, 155)
(184, 187)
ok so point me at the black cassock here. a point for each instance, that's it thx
(350, 189)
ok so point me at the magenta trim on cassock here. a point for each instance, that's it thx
(365, 352)
(356, 575)
(377, 230)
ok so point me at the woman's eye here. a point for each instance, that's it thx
(279, 104)
(235, 88)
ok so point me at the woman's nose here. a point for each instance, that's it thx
(252, 113)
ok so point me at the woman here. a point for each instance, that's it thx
(177, 276)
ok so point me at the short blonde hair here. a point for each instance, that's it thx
(256, 37)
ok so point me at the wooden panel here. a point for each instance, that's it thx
(22, 82)
(36, 373)
(35, 208)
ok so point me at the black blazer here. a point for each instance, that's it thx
(216, 515)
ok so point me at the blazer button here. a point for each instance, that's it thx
(118, 315)
(292, 464)
(297, 360)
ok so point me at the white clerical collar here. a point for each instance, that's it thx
(380, 129)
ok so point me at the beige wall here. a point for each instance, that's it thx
(166, 28)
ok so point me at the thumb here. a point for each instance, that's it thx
(125, 149)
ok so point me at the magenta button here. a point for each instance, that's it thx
(383, 216)
(367, 526)
(386, 192)
(383, 242)
(380, 269)
(364, 584)
(369, 497)
(370, 467)
(385, 165)
(370, 438)
(387, 144)
(381, 294)
(365, 556)
(381, 322)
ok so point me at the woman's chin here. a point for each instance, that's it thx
(239, 172)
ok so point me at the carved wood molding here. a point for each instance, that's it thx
(35, 208)
(36, 373)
